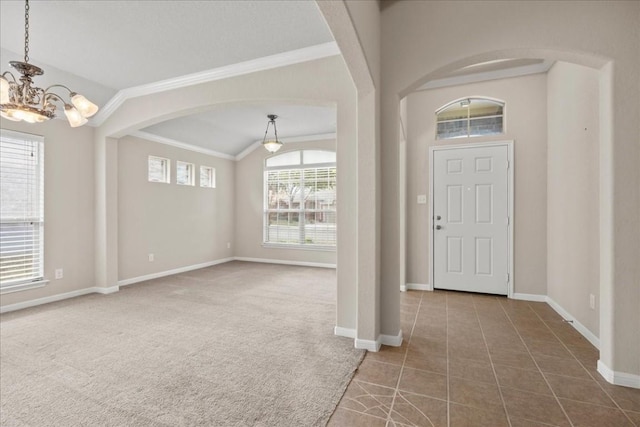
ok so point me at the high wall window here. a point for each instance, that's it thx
(21, 210)
(185, 173)
(207, 177)
(470, 117)
(300, 199)
(159, 170)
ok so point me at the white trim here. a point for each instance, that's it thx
(320, 248)
(247, 67)
(292, 140)
(524, 70)
(391, 340)
(418, 287)
(584, 331)
(403, 288)
(344, 332)
(58, 297)
(178, 144)
(23, 287)
(131, 281)
(511, 207)
(529, 297)
(285, 262)
(368, 345)
(618, 378)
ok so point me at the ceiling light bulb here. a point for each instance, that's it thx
(4, 90)
(272, 146)
(73, 116)
(83, 105)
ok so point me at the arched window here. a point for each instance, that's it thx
(300, 199)
(470, 117)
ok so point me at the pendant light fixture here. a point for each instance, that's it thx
(272, 145)
(21, 100)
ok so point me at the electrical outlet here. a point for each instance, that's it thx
(59, 273)
(151, 258)
(228, 245)
(592, 301)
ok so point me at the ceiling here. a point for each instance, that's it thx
(103, 48)
(99, 48)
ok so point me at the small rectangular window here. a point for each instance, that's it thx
(207, 177)
(184, 173)
(159, 170)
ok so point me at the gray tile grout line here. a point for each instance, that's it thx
(406, 352)
(534, 360)
(486, 345)
(583, 367)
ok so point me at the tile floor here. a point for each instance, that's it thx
(478, 360)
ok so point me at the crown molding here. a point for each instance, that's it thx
(179, 144)
(247, 67)
(543, 67)
(306, 138)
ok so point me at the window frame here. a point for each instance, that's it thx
(191, 169)
(301, 166)
(470, 119)
(36, 208)
(212, 177)
(166, 170)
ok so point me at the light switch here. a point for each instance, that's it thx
(422, 199)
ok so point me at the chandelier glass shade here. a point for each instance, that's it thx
(271, 145)
(21, 100)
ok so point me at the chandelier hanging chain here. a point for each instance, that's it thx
(26, 31)
(21, 100)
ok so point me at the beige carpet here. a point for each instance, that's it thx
(238, 344)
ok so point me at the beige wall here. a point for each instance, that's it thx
(68, 208)
(415, 50)
(526, 124)
(181, 225)
(573, 189)
(249, 176)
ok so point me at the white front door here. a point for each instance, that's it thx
(471, 219)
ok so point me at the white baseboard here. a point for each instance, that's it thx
(344, 332)
(403, 288)
(529, 297)
(618, 378)
(391, 340)
(131, 281)
(58, 297)
(577, 325)
(285, 262)
(368, 345)
(418, 287)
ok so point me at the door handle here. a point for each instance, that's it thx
(438, 227)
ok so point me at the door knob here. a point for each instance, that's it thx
(438, 227)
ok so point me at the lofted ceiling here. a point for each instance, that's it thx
(103, 49)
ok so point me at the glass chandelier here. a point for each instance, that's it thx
(272, 145)
(21, 100)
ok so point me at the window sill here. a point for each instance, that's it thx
(299, 247)
(23, 287)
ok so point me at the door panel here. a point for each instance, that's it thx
(471, 235)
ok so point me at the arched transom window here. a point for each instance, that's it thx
(470, 117)
(300, 199)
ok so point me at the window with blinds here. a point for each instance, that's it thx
(470, 117)
(21, 209)
(185, 173)
(207, 177)
(300, 199)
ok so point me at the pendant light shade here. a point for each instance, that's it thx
(271, 145)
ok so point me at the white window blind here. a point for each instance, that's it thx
(300, 199)
(159, 170)
(207, 177)
(184, 173)
(21, 208)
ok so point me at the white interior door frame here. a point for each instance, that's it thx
(510, 204)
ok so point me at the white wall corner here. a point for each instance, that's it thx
(418, 287)
(584, 331)
(106, 291)
(368, 345)
(618, 378)
(392, 340)
(344, 332)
